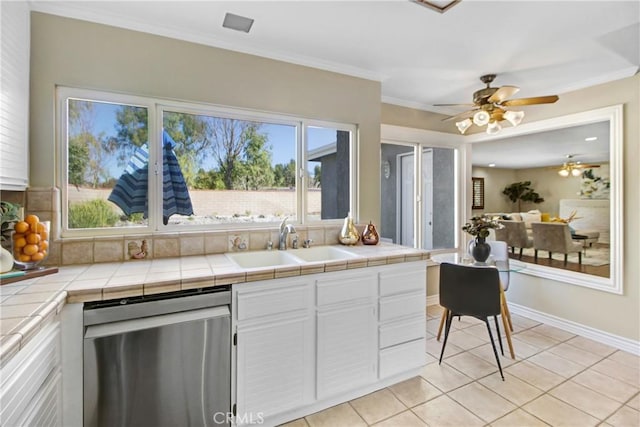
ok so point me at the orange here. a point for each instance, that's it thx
(20, 242)
(44, 235)
(33, 221)
(37, 256)
(33, 238)
(44, 245)
(21, 227)
(30, 249)
(41, 227)
(24, 258)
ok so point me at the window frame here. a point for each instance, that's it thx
(155, 110)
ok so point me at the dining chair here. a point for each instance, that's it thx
(501, 260)
(470, 291)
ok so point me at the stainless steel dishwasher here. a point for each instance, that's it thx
(158, 360)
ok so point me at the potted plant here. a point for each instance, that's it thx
(522, 192)
(479, 227)
(9, 214)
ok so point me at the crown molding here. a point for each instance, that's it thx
(70, 10)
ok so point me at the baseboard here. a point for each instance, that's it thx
(433, 299)
(612, 340)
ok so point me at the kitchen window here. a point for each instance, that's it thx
(133, 164)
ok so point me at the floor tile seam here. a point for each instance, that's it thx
(636, 385)
(534, 415)
(626, 403)
(560, 375)
(600, 420)
(358, 413)
(470, 410)
(420, 403)
(511, 401)
(582, 410)
(578, 349)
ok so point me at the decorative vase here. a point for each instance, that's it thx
(370, 235)
(480, 249)
(349, 234)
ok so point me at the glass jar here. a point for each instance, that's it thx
(30, 243)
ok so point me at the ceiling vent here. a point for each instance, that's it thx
(237, 22)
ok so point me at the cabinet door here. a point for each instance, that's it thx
(347, 349)
(275, 368)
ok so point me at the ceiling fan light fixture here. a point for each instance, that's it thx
(481, 118)
(493, 128)
(514, 117)
(563, 172)
(464, 125)
(576, 172)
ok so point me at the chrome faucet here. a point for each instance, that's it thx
(285, 230)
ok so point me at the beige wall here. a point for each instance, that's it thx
(81, 54)
(544, 181)
(616, 314)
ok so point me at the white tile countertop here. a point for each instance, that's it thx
(26, 306)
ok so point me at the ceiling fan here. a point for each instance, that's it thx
(489, 107)
(573, 168)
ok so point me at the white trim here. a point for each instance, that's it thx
(614, 115)
(612, 340)
(433, 299)
(72, 10)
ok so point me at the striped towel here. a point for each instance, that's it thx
(131, 190)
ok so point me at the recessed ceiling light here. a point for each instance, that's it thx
(591, 138)
(237, 22)
(492, 165)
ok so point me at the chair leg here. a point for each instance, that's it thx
(446, 334)
(443, 318)
(520, 254)
(565, 258)
(495, 319)
(535, 255)
(495, 352)
(579, 257)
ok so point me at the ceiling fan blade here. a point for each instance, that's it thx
(466, 114)
(503, 93)
(454, 105)
(530, 101)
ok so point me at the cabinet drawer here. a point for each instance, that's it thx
(24, 375)
(402, 306)
(349, 288)
(285, 299)
(402, 331)
(410, 278)
(402, 358)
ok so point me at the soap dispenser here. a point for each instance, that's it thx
(349, 234)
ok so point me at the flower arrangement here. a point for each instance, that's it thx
(480, 225)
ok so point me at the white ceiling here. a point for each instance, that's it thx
(421, 57)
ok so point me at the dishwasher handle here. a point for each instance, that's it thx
(131, 325)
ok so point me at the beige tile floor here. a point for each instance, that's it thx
(557, 379)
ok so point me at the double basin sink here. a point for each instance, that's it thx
(269, 258)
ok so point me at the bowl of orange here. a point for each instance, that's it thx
(30, 242)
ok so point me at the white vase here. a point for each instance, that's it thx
(6, 260)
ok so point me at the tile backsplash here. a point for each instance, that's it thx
(44, 202)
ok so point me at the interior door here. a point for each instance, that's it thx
(427, 198)
(406, 202)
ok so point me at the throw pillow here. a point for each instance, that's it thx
(531, 216)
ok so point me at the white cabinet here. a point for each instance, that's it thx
(14, 103)
(308, 342)
(31, 382)
(346, 327)
(274, 350)
(402, 329)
